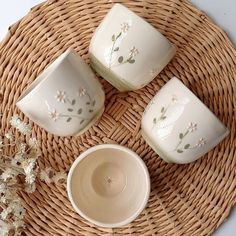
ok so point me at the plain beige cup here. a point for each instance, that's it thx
(109, 185)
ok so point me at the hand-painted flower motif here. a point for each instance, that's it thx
(164, 110)
(192, 127)
(180, 148)
(125, 27)
(73, 109)
(116, 48)
(153, 72)
(201, 142)
(133, 52)
(54, 115)
(182, 145)
(82, 92)
(174, 98)
(61, 96)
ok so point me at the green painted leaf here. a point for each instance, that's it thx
(179, 151)
(116, 49)
(181, 135)
(155, 120)
(113, 38)
(91, 110)
(162, 109)
(120, 59)
(73, 102)
(70, 109)
(80, 111)
(132, 61)
(82, 121)
(187, 146)
(69, 119)
(118, 35)
(93, 103)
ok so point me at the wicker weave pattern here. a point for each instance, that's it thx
(185, 199)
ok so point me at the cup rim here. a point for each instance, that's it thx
(44, 75)
(131, 153)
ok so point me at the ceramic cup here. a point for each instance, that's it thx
(127, 51)
(66, 99)
(109, 185)
(178, 126)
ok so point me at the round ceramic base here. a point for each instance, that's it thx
(108, 180)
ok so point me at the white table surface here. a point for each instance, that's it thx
(223, 12)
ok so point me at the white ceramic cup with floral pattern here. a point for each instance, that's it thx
(178, 126)
(127, 51)
(66, 99)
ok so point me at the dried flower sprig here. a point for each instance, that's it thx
(18, 172)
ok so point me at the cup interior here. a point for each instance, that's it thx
(109, 185)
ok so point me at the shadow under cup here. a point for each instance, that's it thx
(66, 99)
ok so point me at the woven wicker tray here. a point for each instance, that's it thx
(189, 199)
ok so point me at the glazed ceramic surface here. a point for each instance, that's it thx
(127, 51)
(109, 185)
(178, 126)
(66, 99)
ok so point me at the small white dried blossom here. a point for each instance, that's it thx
(3, 199)
(30, 188)
(8, 196)
(22, 148)
(28, 165)
(9, 135)
(5, 229)
(5, 213)
(19, 224)
(15, 121)
(3, 188)
(23, 163)
(20, 125)
(18, 159)
(24, 128)
(9, 173)
(1, 145)
(46, 175)
(18, 210)
(33, 143)
(59, 178)
(30, 178)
